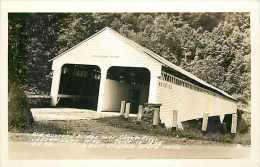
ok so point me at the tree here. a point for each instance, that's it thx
(213, 46)
(16, 47)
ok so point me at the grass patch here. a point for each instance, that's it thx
(192, 130)
(51, 127)
(116, 126)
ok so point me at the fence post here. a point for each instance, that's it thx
(122, 108)
(140, 113)
(127, 110)
(205, 121)
(156, 116)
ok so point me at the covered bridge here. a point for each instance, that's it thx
(107, 68)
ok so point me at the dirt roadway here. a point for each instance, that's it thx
(27, 150)
(77, 134)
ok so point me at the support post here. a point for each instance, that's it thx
(140, 113)
(174, 118)
(156, 116)
(127, 110)
(102, 89)
(55, 86)
(205, 121)
(153, 89)
(122, 108)
(234, 123)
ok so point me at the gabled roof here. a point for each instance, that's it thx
(155, 56)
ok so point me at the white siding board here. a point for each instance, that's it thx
(190, 104)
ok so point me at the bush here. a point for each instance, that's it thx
(242, 126)
(19, 115)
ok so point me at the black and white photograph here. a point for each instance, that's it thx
(129, 85)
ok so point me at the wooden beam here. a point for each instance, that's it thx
(73, 96)
(38, 96)
(205, 122)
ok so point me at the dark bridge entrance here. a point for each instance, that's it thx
(79, 86)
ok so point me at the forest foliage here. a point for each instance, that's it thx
(213, 46)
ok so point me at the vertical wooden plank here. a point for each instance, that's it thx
(205, 121)
(122, 108)
(140, 113)
(174, 118)
(55, 86)
(153, 90)
(234, 123)
(127, 110)
(101, 92)
(156, 116)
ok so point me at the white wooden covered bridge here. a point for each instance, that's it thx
(108, 68)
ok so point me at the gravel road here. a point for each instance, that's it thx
(27, 150)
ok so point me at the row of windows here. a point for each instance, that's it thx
(95, 74)
(165, 85)
(170, 78)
